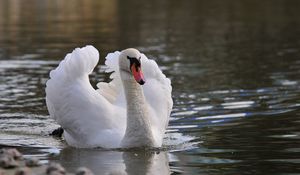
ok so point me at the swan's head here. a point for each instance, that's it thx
(130, 61)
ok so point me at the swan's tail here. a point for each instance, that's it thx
(74, 69)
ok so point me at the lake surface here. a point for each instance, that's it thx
(234, 66)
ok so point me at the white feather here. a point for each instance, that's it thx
(97, 118)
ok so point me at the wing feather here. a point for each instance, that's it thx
(157, 91)
(77, 106)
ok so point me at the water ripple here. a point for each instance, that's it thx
(222, 106)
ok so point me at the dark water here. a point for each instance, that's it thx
(234, 66)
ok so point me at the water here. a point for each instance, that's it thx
(234, 67)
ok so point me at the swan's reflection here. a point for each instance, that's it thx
(115, 162)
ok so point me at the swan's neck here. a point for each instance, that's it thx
(138, 131)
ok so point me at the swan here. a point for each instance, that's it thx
(132, 110)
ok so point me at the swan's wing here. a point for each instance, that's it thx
(71, 100)
(113, 91)
(157, 89)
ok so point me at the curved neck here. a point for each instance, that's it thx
(138, 129)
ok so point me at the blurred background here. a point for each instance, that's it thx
(234, 66)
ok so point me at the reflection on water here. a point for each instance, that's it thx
(114, 162)
(234, 67)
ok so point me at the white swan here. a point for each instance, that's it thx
(121, 113)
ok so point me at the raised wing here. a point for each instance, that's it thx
(157, 91)
(113, 91)
(77, 106)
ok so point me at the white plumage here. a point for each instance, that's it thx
(104, 117)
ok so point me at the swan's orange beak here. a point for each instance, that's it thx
(137, 74)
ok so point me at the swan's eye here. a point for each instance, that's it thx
(134, 58)
(135, 61)
(131, 58)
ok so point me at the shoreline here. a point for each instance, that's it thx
(12, 162)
